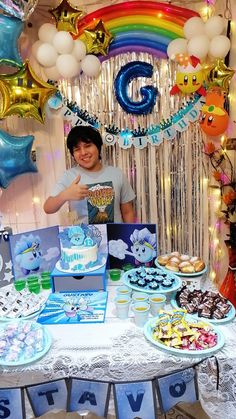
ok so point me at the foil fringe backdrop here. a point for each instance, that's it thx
(168, 179)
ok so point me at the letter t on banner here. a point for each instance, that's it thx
(47, 396)
(12, 403)
(135, 400)
(86, 395)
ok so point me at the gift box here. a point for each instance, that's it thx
(82, 281)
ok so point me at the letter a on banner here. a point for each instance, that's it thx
(12, 403)
(47, 396)
(89, 395)
(135, 399)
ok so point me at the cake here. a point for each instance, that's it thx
(79, 247)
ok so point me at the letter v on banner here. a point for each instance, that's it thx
(135, 400)
(87, 395)
(48, 396)
(12, 404)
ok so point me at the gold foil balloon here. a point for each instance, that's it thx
(97, 39)
(218, 74)
(66, 16)
(24, 94)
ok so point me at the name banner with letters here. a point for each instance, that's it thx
(133, 399)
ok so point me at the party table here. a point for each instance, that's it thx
(117, 350)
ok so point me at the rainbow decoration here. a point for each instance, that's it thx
(139, 26)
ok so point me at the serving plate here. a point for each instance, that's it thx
(148, 332)
(186, 275)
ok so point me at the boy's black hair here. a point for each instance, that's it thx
(85, 134)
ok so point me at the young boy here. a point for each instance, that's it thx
(98, 193)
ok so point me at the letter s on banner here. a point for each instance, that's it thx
(12, 403)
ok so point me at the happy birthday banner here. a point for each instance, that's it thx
(155, 134)
(136, 398)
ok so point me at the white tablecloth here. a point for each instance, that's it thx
(118, 351)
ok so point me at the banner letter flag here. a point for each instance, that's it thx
(47, 396)
(178, 387)
(12, 403)
(135, 400)
(89, 395)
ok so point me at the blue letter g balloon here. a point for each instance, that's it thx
(126, 74)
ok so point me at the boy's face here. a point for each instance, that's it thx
(87, 156)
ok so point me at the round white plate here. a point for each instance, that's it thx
(228, 318)
(184, 275)
(163, 290)
(98, 265)
(148, 332)
(37, 355)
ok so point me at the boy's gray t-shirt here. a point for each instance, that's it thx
(108, 188)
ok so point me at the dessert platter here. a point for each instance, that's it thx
(182, 265)
(183, 335)
(20, 304)
(151, 280)
(23, 342)
(208, 305)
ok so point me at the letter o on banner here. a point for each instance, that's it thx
(127, 73)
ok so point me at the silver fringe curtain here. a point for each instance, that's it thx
(170, 180)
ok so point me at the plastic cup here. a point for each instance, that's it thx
(157, 302)
(45, 274)
(35, 288)
(32, 280)
(141, 311)
(46, 283)
(115, 274)
(139, 296)
(123, 290)
(19, 284)
(122, 303)
(127, 267)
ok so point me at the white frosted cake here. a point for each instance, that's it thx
(79, 247)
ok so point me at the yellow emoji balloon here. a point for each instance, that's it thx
(24, 94)
(189, 78)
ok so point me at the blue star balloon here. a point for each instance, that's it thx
(10, 30)
(15, 157)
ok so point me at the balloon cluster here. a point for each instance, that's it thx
(201, 39)
(61, 56)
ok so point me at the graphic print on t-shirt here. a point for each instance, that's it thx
(101, 203)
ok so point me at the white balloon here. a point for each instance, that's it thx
(91, 65)
(67, 66)
(35, 47)
(63, 42)
(52, 73)
(177, 46)
(47, 32)
(79, 50)
(219, 46)
(46, 55)
(214, 26)
(193, 27)
(198, 46)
